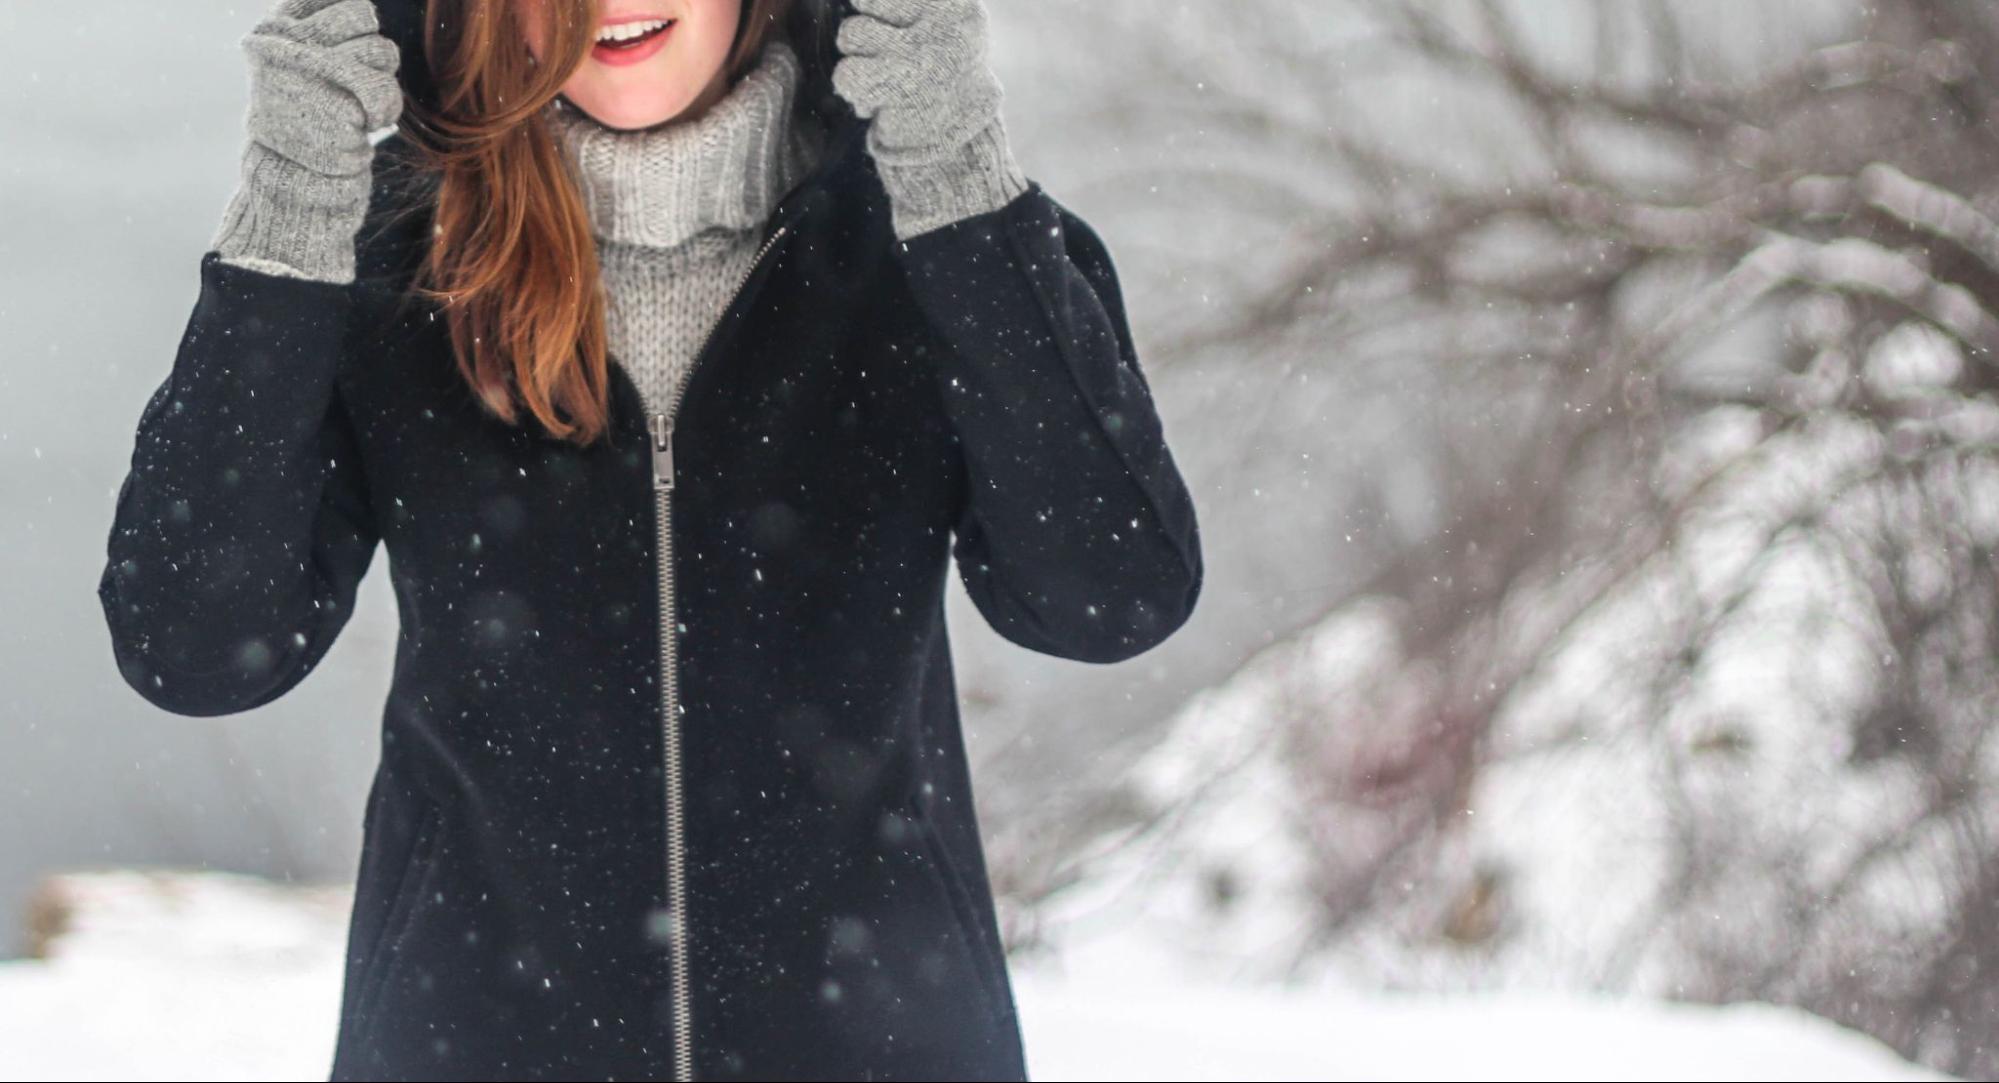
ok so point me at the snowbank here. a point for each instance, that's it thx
(209, 976)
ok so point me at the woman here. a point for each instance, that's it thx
(672, 373)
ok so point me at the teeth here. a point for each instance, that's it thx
(628, 31)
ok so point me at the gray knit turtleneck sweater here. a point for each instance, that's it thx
(676, 209)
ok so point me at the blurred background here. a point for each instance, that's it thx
(1591, 409)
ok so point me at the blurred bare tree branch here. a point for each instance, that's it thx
(1697, 353)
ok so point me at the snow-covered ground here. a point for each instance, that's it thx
(218, 977)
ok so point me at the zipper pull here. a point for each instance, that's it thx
(662, 451)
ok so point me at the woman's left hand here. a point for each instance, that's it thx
(919, 68)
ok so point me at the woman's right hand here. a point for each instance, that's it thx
(322, 77)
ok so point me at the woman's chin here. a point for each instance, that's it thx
(628, 116)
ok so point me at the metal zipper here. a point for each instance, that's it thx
(661, 423)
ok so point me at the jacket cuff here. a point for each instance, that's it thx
(978, 176)
(286, 219)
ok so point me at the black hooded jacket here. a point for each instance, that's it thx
(593, 850)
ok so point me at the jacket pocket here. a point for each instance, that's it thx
(407, 901)
(985, 955)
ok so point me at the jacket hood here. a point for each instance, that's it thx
(811, 25)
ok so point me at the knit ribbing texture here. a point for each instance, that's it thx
(677, 210)
(322, 77)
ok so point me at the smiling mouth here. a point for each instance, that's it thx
(632, 35)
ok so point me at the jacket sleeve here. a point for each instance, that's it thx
(242, 528)
(1076, 535)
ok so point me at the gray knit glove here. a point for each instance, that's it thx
(322, 77)
(918, 67)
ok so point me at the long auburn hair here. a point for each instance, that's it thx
(512, 261)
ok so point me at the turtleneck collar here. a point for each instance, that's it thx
(725, 169)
